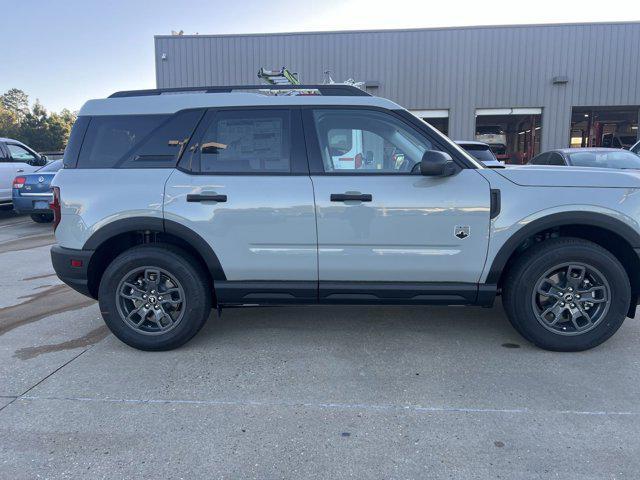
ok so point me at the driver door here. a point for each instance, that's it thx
(381, 225)
(22, 160)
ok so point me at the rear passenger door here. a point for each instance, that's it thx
(243, 185)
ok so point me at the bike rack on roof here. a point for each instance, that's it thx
(332, 90)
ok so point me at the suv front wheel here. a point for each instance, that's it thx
(155, 297)
(566, 294)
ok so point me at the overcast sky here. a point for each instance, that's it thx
(65, 52)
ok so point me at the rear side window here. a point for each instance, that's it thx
(247, 142)
(109, 138)
(135, 141)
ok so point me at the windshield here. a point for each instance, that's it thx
(616, 159)
(51, 167)
(480, 152)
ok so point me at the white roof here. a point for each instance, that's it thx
(171, 103)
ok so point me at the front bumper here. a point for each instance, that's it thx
(74, 276)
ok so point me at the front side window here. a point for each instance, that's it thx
(20, 154)
(247, 142)
(367, 141)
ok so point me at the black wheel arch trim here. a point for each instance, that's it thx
(157, 224)
(559, 220)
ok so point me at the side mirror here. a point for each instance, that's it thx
(437, 164)
(40, 161)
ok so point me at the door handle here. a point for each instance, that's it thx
(196, 197)
(345, 197)
(20, 170)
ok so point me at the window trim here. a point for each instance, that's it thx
(419, 128)
(189, 162)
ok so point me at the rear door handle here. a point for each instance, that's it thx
(196, 197)
(345, 197)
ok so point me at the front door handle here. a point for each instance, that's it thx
(197, 197)
(345, 197)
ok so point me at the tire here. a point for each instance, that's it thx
(180, 277)
(42, 217)
(554, 260)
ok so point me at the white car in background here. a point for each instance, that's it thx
(15, 158)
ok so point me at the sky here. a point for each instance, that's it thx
(65, 52)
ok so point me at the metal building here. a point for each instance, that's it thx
(520, 88)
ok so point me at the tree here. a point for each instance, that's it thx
(9, 124)
(36, 127)
(16, 101)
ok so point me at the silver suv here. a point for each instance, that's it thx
(174, 202)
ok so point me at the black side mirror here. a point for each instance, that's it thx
(42, 161)
(437, 164)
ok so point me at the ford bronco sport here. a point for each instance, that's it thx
(174, 202)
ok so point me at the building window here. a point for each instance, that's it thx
(513, 134)
(610, 127)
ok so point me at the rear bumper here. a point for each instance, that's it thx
(74, 276)
(28, 204)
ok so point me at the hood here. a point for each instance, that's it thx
(550, 176)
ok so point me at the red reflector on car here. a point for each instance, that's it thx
(76, 263)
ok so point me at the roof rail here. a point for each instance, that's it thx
(333, 90)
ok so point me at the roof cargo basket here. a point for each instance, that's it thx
(332, 90)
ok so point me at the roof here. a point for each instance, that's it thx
(171, 103)
(587, 149)
(12, 140)
(397, 30)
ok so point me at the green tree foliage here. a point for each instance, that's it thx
(41, 130)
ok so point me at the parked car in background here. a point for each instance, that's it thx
(491, 134)
(32, 192)
(15, 158)
(589, 157)
(636, 148)
(481, 151)
(618, 140)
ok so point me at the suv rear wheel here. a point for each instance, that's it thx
(155, 297)
(566, 294)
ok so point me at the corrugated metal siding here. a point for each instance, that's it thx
(459, 69)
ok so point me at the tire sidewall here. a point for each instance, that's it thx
(183, 268)
(524, 318)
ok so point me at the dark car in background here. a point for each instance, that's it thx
(589, 157)
(636, 148)
(481, 151)
(32, 192)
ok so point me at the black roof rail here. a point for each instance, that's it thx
(333, 89)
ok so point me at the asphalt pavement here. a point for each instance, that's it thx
(301, 392)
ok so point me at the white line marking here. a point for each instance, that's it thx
(334, 406)
(14, 224)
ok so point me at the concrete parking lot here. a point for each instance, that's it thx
(305, 392)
